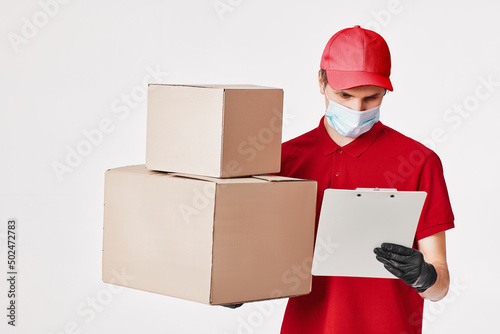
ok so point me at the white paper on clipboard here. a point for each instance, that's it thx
(353, 222)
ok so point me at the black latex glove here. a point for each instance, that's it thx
(233, 306)
(407, 264)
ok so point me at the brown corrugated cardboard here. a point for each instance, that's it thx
(214, 130)
(210, 240)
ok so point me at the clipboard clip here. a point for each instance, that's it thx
(376, 189)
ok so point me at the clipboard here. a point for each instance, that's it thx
(353, 222)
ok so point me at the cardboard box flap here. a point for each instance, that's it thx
(277, 178)
(218, 86)
(134, 169)
(216, 179)
(142, 170)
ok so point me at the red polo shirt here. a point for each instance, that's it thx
(383, 158)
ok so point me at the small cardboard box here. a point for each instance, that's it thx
(217, 130)
(210, 240)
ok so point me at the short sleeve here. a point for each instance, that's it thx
(437, 215)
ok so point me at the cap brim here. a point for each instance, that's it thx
(349, 79)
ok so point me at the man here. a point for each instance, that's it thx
(351, 148)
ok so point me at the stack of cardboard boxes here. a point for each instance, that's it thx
(201, 220)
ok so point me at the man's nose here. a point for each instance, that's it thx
(358, 105)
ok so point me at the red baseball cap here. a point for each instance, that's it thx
(357, 57)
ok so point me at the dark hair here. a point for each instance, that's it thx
(323, 77)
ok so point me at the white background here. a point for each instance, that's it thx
(75, 68)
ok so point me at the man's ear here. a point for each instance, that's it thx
(321, 84)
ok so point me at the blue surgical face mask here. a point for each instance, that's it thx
(348, 122)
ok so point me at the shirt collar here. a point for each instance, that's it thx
(354, 148)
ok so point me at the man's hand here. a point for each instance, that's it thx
(407, 264)
(233, 306)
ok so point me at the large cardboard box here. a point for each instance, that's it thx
(217, 130)
(210, 240)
